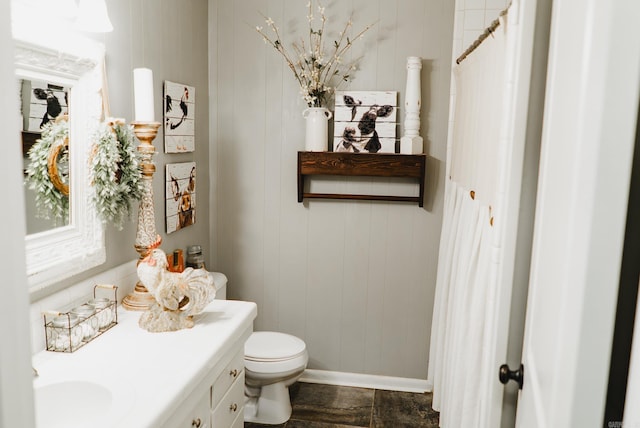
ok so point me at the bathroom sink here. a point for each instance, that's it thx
(76, 403)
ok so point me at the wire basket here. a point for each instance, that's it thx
(70, 331)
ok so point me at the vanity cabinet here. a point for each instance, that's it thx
(218, 401)
(192, 378)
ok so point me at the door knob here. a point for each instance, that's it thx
(505, 375)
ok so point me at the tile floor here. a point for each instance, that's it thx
(328, 406)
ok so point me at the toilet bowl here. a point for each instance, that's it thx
(273, 361)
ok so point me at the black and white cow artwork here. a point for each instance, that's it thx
(54, 108)
(358, 132)
(183, 106)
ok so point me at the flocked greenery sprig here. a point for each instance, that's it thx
(318, 72)
(51, 202)
(115, 172)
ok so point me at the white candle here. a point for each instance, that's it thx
(143, 94)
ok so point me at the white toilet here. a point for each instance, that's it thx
(220, 282)
(272, 362)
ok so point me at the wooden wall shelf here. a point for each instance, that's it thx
(362, 165)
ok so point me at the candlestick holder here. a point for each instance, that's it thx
(146, 237)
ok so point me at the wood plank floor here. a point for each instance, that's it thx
(329, 406)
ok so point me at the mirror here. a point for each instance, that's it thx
(43, 103)
(74, 63)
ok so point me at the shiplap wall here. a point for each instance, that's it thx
(355, 280)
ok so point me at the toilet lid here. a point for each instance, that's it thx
(269, 345)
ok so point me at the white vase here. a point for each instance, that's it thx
(317, 137)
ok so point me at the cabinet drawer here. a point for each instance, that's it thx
(199, 416)
(230, 373)
(230, 406)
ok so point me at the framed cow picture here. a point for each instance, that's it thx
(365, 122)
(180, 191)
(179, 117)
(41, 103)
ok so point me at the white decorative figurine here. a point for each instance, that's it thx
(411, 142)
(178, 296)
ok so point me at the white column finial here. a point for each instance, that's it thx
(411, 142)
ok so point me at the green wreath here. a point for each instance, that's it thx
(115, 172)
(48, 171)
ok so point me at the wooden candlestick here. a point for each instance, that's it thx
(146, 237)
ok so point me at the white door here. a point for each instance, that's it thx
(587, 147)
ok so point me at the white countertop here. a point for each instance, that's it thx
(151, 373)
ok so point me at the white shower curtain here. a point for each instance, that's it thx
(460, 365)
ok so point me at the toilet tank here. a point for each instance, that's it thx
(220, 282)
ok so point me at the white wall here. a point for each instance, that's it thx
(472, 17)
(355, 280)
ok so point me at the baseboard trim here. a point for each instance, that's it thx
(366, 381)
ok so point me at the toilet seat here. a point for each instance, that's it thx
(273, 352)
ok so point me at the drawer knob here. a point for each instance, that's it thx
(196, 423)
(233, 407)
(233, 373)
